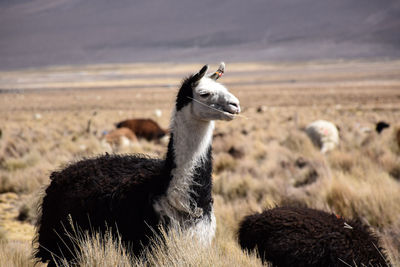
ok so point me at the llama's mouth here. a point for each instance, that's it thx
(231, 110)
(229, 113)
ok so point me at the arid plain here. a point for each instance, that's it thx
(50, 117)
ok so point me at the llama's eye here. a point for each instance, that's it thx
(204, 95)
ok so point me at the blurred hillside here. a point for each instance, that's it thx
(53, 32)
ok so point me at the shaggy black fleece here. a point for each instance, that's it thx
(111, 191)
(96, 197)
(114, 191)
(288, 236)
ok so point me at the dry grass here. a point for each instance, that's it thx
(261, 160)
(169, 249)
(16, 253)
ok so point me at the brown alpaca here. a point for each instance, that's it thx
(120, 136)
(143, 128)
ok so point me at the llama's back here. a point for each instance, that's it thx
(98, 193)
(288, 236)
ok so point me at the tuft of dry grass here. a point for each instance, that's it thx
(178, 249)
(391, 241)
(17, 254)
(99, 249)
(373, 198)
(174, 248)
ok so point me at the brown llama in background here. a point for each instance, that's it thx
(144, 128)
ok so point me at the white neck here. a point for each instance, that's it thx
(192, 139)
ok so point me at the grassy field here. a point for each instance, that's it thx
(45, 116)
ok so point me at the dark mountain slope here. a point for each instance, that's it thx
(47, 32)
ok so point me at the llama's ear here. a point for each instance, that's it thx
(201, 73)
(216, 75)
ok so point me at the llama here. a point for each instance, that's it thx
(143, 128)
(298, 236)
(323, 134)
(120, 137)
(135, 194)
(380, 126)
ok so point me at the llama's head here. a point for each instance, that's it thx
(206, 99)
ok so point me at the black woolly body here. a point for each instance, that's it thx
(114, 191)
(288, 236)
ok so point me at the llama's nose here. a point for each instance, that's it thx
(234, 106)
